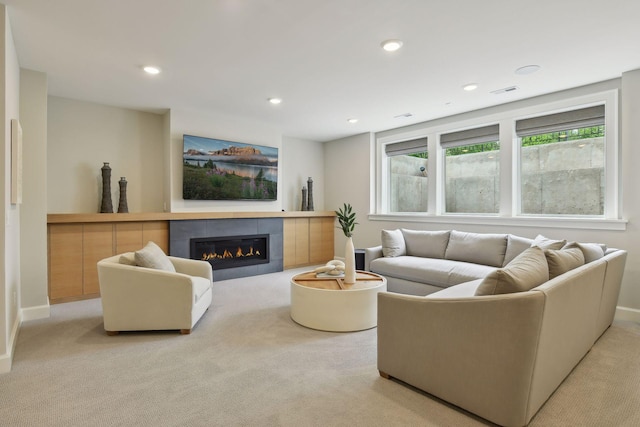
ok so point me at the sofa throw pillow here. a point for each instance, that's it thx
(546, 243)
(152, 256)
(515, 246)
(393, 243)
(591, 251)
(426, 244)
(127, 259)
(563, 260)
(525, 272)
(478, 248)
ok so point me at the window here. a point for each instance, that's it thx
(408, 175)
(562, 163)
(527, 163)
(472, 170)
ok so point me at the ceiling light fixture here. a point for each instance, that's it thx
(352, 120)
(470, 86)
(527, 69)
(150, 69)
(275, 101)
(391, 45)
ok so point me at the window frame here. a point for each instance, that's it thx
(509, 213)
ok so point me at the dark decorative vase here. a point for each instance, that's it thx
(304, 199)
(107, 206)
(310, 187)
(122, 206)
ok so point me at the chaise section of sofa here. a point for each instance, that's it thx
(500, 356)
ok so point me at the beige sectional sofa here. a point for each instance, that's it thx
(497, 344)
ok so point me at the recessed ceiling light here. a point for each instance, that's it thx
(275, 101)
(391, 45)
(352, 120)
(150, 69)
(470, 86)
(527, 69)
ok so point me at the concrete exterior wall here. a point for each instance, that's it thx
(560, 178)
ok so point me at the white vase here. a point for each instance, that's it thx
(349, 262)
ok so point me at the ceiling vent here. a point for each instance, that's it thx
(504, 90)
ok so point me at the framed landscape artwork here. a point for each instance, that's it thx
(215, 169)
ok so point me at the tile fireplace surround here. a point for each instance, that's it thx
(181, 232)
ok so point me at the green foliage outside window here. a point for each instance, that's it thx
(565, 135)
(475, 148)
(422, 155)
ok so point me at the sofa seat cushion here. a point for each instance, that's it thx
(486, 249)
(437, 272)
(463, 290)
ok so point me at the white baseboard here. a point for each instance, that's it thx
(34, 313)
(6, 359)
(627, 314)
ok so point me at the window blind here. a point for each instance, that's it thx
(406, 147)
(479, 135)
(575, 119)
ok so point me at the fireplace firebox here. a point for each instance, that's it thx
(231, 251)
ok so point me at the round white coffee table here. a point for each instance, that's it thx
(328, 304)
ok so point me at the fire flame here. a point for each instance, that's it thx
(228, 254)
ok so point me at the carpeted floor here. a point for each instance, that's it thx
(247, 363)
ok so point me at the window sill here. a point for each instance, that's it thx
(566, 223)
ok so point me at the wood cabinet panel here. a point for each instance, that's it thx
(321, 240)
(307, 241)
(128, 237)
(65, 260)
(289, 242)
(302, 241)
(75, 249)
(157, 232)
(97, 244)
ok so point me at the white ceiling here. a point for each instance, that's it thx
(322, 57)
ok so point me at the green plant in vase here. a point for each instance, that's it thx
(347, 220)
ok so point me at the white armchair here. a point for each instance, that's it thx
(138, 298)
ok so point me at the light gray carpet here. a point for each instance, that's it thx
(247, 363)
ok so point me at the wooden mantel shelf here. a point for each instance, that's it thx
(68, 218)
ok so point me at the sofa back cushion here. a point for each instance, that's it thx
(525, 272)
(515, 246)
(546, 243)
(426, 244)
(486, 249)
(562, 260)
(591, 251)
(393, 243)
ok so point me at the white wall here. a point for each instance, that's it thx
(33, 211)
(302, 159)
(349, 178)
(10, 234)
(82, 136)
(217, 126)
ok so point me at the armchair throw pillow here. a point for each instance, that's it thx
(152, 256)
